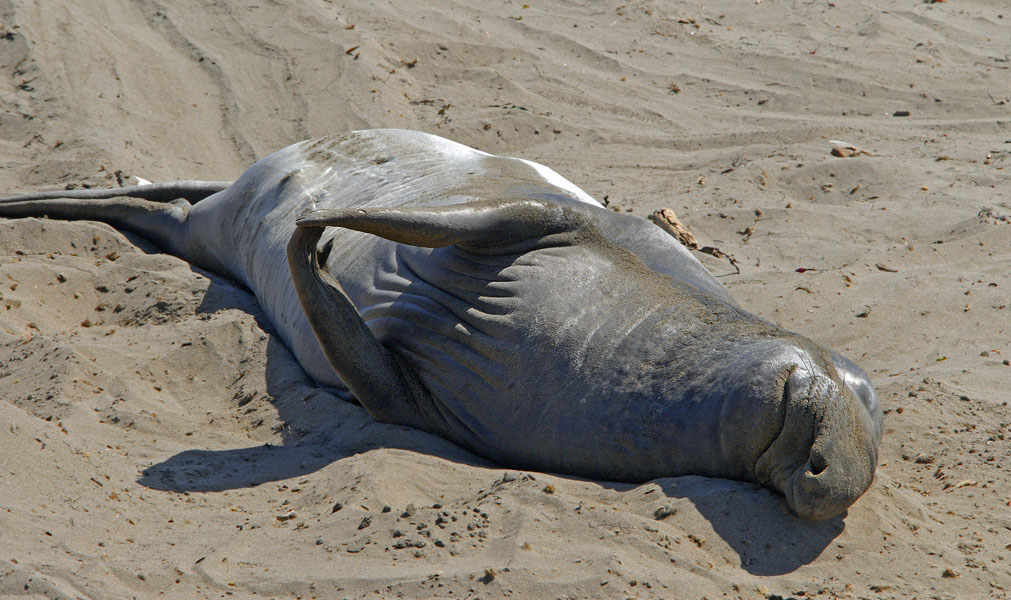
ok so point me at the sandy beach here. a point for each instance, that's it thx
(157, 440)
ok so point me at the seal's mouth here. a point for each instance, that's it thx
(824, 457)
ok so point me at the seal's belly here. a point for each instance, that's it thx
(452, 319)
(503, 345)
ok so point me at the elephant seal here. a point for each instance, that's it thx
(490, 301)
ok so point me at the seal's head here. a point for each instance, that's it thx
(825, 454)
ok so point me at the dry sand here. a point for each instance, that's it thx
(157, 440)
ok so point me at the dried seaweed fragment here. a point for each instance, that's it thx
(667, 220)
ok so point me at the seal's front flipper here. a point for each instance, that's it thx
(384, 385)
(482, 225)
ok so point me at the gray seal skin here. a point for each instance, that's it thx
(490, 301)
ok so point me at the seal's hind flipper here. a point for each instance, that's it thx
(191, 191)
(163, 223)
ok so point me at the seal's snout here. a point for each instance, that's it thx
(832, 478)
(817, 463)
(824, 457)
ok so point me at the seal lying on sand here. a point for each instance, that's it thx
(490, 301)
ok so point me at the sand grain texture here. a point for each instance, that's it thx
(159, 441)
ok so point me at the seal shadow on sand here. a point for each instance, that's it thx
(317, 425)
(319, 428)
(755, 523)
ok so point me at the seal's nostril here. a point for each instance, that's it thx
(818, 463)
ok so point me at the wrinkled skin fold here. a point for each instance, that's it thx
(491, 302)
